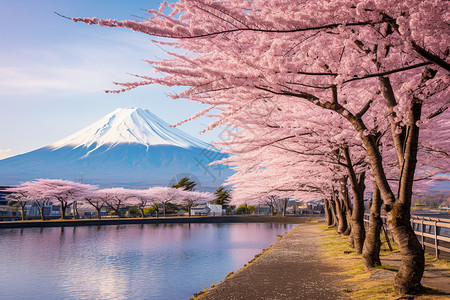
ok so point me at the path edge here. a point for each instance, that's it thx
(201, 294)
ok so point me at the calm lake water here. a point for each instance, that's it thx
(152, 261)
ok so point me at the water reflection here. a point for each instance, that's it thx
(151, 261)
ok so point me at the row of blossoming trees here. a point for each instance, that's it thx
(65, 193)
(328, 97)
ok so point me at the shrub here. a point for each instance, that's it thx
(133, 211)
(241, 209)
(149, 210)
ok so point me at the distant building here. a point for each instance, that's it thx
(5, 209)
(207, 209)
(314, 207)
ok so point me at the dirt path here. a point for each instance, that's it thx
(438, 278)
(292, 269)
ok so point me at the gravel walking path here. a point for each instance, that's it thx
(292, 269)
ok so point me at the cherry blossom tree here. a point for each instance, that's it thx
(115, 198)
(191, 198)
(368, 63)
(165, 195)
(36, 191)
(97, 199)
(20, 194)
(143, 199)
(63, 191)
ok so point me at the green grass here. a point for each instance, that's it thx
(387, 267)
(359, 283)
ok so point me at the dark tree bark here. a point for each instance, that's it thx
(285, 206)
(407, 280)
(155, 206)
(75, 210)
(63, 207)
(142, 212)
(99, 215)
(372, 243)
(340, 214)
(358, 232)
(328, 215)
(22, 209)
(41, 210)
(333, 211)
(347, 209)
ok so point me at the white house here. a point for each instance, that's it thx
(207, 209)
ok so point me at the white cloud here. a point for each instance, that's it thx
(5, 153)
(67, 69)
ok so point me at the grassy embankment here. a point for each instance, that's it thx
(365, 284)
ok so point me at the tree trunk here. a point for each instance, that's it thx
(63, 210)
(333, 211)
(189, 210)
(407, 280)
(410, 273)
(285, 206)
(340, 214)
(358, 230)
(391, 103)
(142, 213)
(99, 215)
(164, 210)
(372, 243)
(41, 210)
(347, 209)
(22, 211)
(357, 216)
(328, 215)
(75, 209)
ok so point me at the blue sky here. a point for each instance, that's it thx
(53, 72)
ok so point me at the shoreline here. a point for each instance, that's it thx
(203, 293)
(161, 220)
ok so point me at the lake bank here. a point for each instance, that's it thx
(161, 220)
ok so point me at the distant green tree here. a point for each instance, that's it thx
(185, 183)
(149, 210)
(171, 208)
(222, 196)
(245, 209)
(133, 211)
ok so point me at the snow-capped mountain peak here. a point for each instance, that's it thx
(129, 126)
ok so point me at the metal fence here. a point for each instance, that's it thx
(433, 233)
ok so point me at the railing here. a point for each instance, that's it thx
(426, 229)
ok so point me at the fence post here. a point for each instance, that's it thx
(436, 239)
(387, 238)
(421, 229)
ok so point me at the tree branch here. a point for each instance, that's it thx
(431, 57)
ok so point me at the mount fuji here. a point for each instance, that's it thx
(128, 147)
